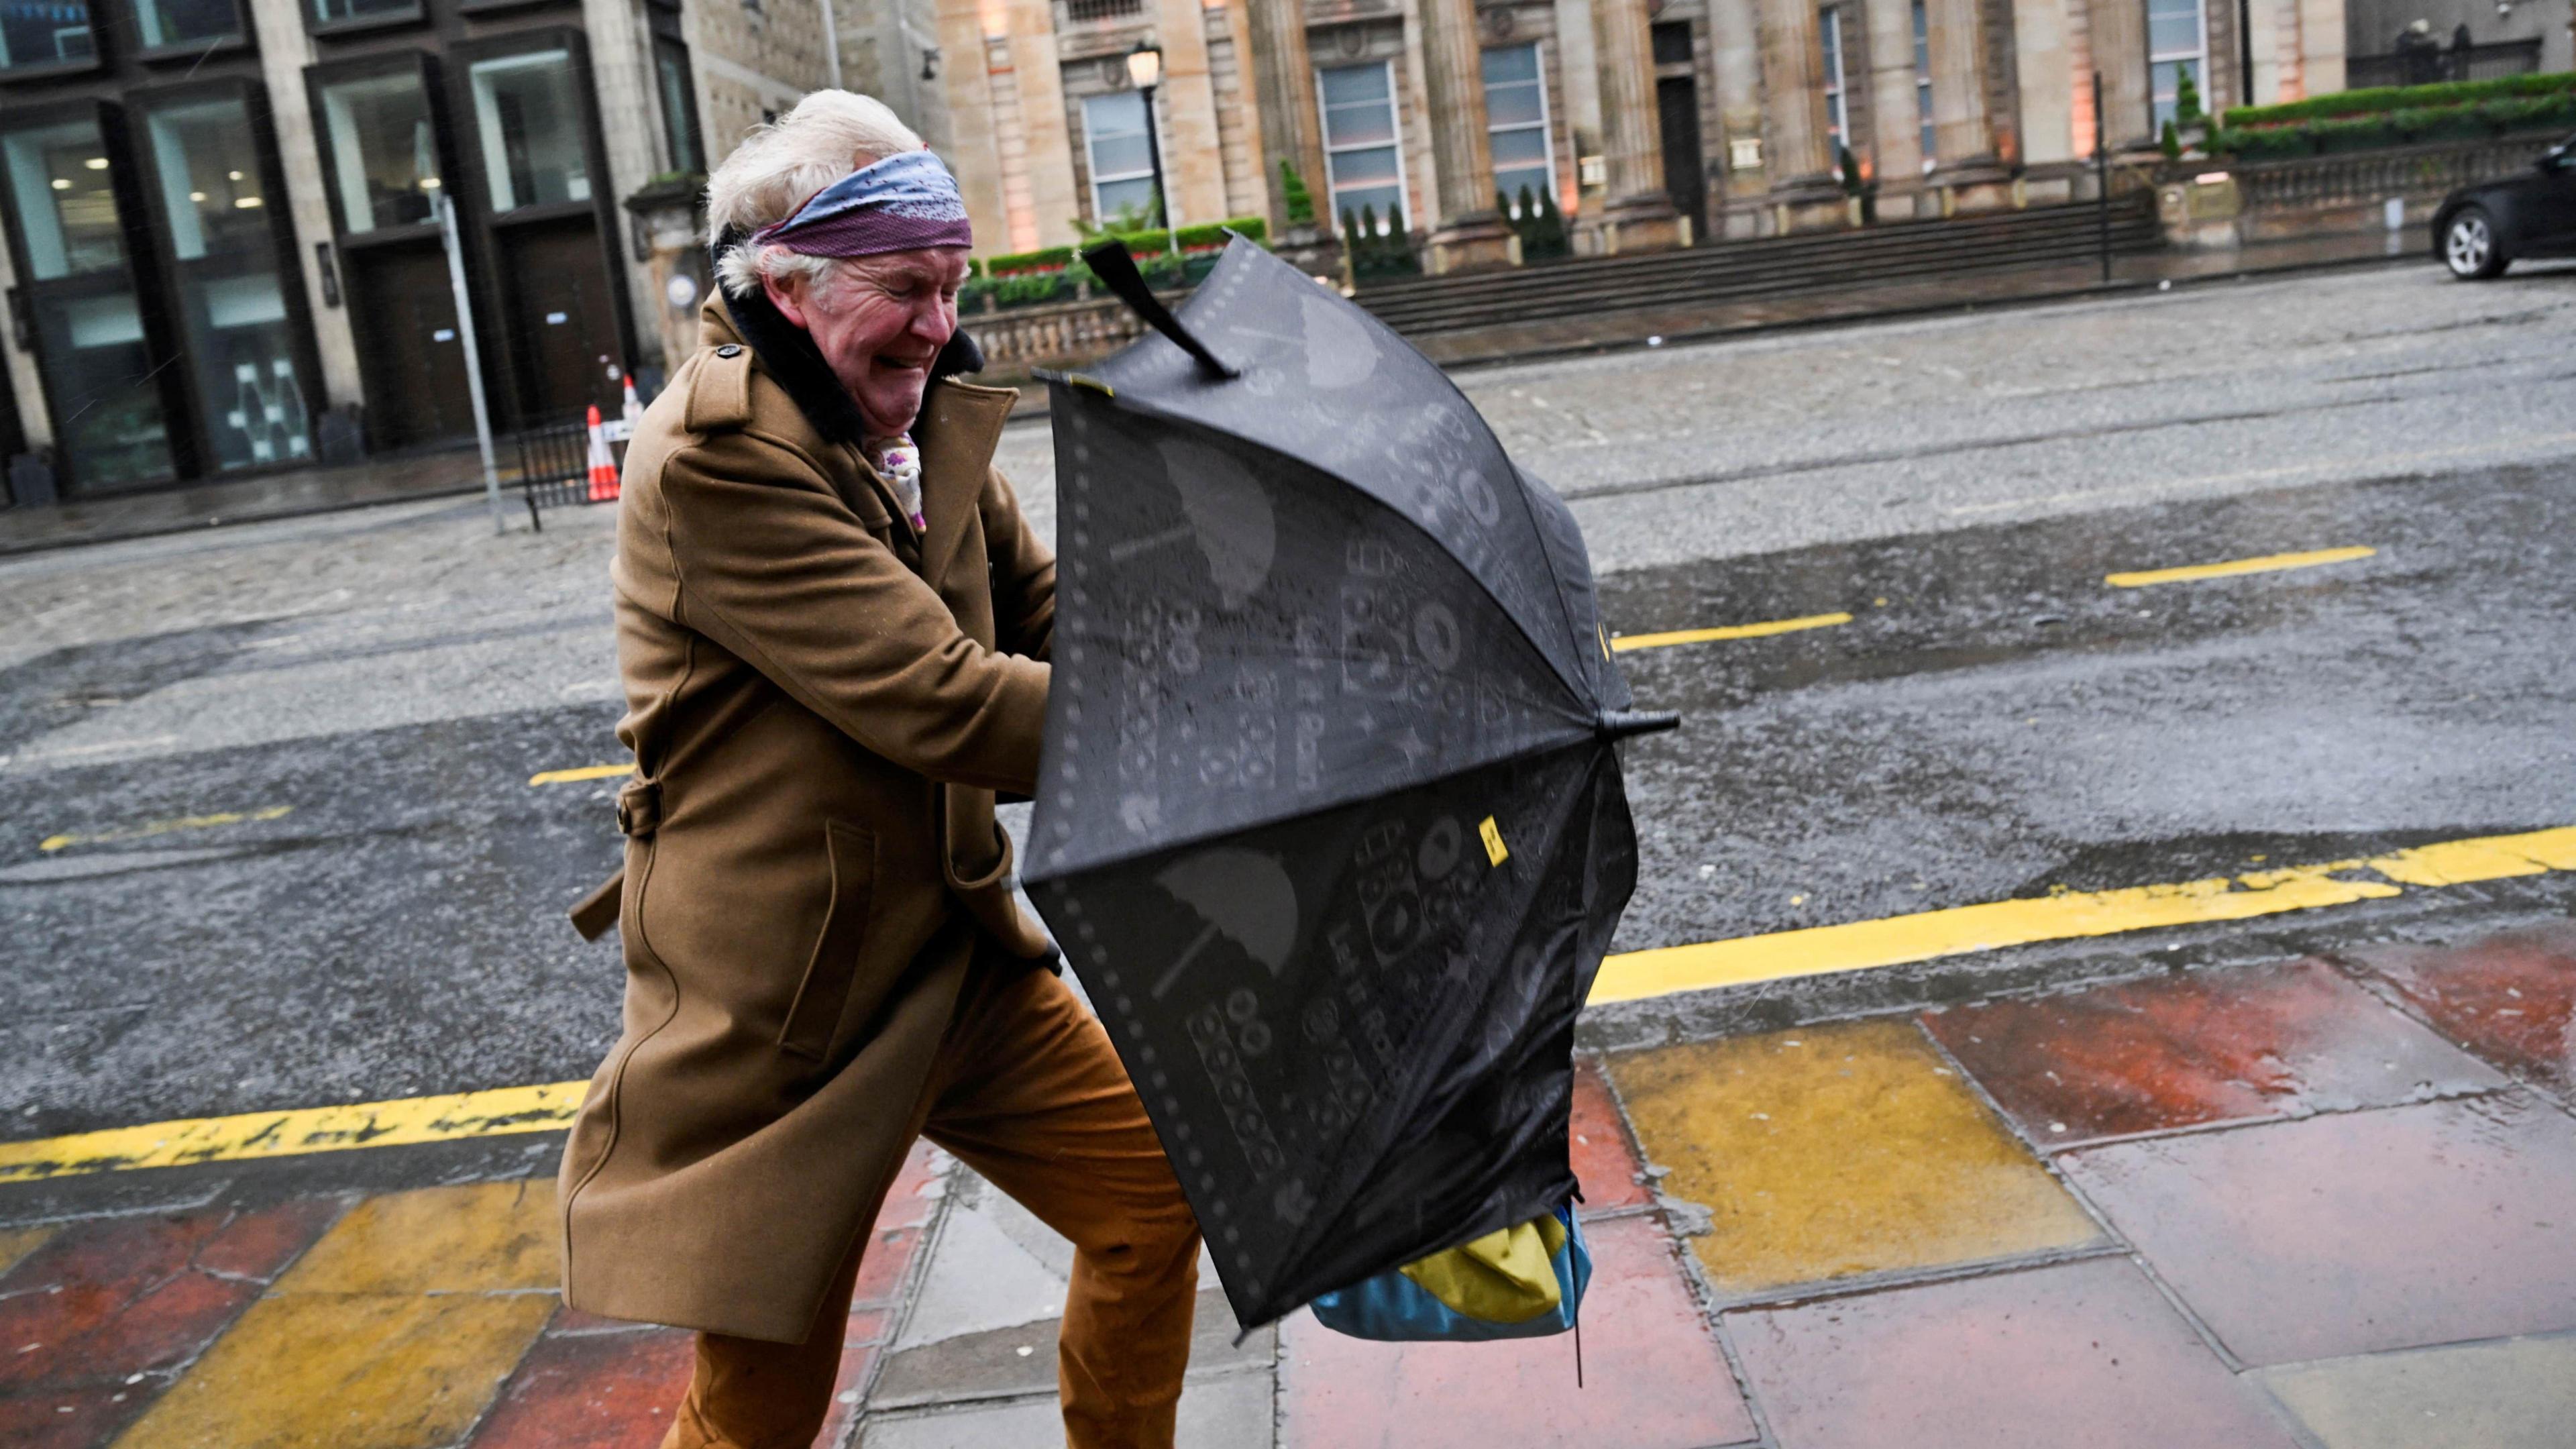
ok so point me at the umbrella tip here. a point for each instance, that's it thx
(1619, 724)
(1111, 262)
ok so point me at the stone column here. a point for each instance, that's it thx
(2119, 32)
(1638, 216)
(1962, 141)
(2047, 82)
(2321, 48)
(1793, 63)
(1896, 118)
(1283, 88)
(1193, 155)
(284, 50)
(1048, 153)
(1744, 169)
(1471, 233)
(970, 147)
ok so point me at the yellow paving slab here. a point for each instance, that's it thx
(487, 1237)
(392, 1332)
(347, 1371)
(2514, 1393)
(17, 1243)
(1836, 1150)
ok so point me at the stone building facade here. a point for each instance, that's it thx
(223, 254)
(1654, 122)
(224, 249)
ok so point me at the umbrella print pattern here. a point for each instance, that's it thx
(1329, 820)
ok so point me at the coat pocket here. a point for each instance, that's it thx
(815, 1017)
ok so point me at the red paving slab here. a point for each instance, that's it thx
(592, 1390)
(1605, 1159)
(2510, 998)
(2181, 1050)
(123, 1299)
(2354, 1233)
(2078, 1354)
(1654, 1377)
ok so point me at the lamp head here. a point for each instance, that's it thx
(1145, 65)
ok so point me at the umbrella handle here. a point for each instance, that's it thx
(1116, 268)
(1619, 724)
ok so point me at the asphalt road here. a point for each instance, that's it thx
(267, 836)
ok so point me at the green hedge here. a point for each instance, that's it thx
(1075, 281)
(1205, 235)
(2413, 126)
(2400, 98)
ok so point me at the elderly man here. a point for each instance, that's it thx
(832, 624)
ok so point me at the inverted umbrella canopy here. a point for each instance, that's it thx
(1329, 822)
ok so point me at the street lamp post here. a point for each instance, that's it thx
(1145, 68)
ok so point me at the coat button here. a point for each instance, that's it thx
(730, 349)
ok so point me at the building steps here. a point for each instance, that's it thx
(1778, 266)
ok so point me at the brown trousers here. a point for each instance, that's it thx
(1028, 1092)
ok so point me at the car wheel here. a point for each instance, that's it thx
(2469, 245)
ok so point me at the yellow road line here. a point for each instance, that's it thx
(53, 843)
(2269, 563)
(1630, 976)
(1626, 642)
(295, 1131)
(586, 772)
(1894, 941)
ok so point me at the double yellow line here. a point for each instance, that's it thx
(1632, 976)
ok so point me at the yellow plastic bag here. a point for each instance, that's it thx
(1507, 1276)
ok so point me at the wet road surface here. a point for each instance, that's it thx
(295, 858)
(377, 913)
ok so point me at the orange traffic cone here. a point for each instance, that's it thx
(603, 467)
(634, 404)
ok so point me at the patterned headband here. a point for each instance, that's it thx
(904, 202)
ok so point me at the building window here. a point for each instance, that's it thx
(329, 13)
(1923, 85)
(679, 105)
(383, 150)
(43, 33)
(2176, 41)
(1516, 123)
(1103, 9)
(233, 321)
(1829, 24)
(1363, 166)
(527, 117)
(89, 328)
(185, 22)
(1122, 166)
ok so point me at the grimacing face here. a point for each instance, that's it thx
(879, 322)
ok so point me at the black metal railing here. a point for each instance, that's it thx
(554, 467)
(1103, 9)
(2435, 63)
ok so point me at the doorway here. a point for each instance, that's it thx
(409, 354)
(562, 320)
(1685, 176)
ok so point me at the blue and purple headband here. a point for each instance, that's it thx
(902, 203)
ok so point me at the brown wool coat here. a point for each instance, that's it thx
(821, 708)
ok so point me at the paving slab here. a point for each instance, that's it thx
(1605, 1160)
(1021, 1359)
(1232, 1412)
(2082, 1353)
(2184, 1049)
(1837, 1150)
(395, 1331)
(2509, 998)
(96, 1318)
(593, 1390)
(1653, 1374)
(2516, 1393)
(2358, 1232)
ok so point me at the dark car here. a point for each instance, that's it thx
(2481, 230)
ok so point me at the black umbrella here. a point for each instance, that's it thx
(1329, 823)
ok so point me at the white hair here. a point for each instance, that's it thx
(778, 165)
